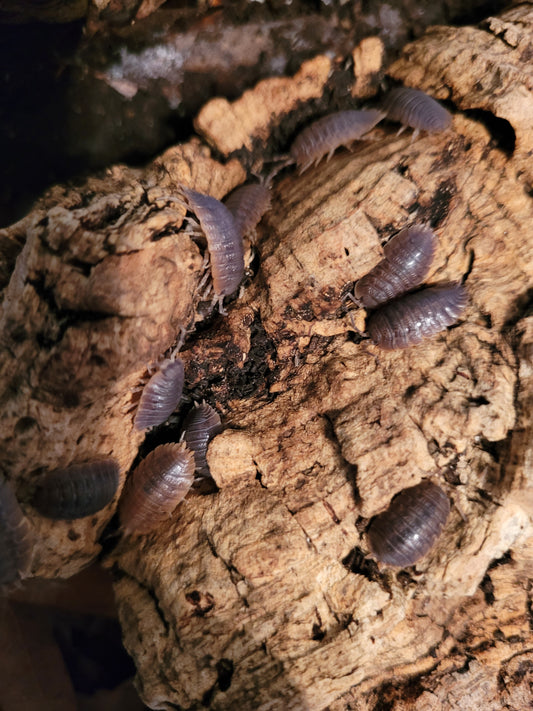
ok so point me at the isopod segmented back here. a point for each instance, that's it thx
(409, 319)
(78, 490)
(201, 425)
(408, 257)
(409, 528)
(16, 540)
(161, 395)
(155, 488)
(416, 109)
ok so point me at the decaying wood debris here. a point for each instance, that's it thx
(262, 595)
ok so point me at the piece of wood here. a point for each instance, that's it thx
(261, 595)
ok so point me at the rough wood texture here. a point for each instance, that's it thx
(260, 596)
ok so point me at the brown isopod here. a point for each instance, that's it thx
(407, 320)
(224, 242)
(408, 257)
(155, 488)
(324, 136)
(248, 204)
(161, 395)
(410, 526)
(416, 109)
(78, 490)
(201, 425)
(16, 540)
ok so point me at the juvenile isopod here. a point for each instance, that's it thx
(224, 242)
(161, 395)
(155, 488)
(410, 526)
(324, 136)
(407, 320)
(201, 425)
(408, 257)
(16, 541)
(415, 109)
(78, 490)
(248, 204)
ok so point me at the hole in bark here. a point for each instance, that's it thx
(487, 588)
(224, 673)
(502, 132)
(356, 562)
(24, 424)
(317, 633)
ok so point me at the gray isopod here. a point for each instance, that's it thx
(407, 320)
(327, 134)
(408, 257)
(155, 488)
(161, 395)
(408, 529)
(16, 540)
(248, 204)
(224, 242)
(415, 109)
(201, 425)
(78, 490)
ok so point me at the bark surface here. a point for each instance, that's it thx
(261, 595)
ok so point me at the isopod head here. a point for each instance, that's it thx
(155, 488)
(409, 528)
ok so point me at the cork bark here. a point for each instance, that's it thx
(262, 595)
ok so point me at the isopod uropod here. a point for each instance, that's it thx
(408, 257)
(15, 538)
(327, 134)
(201, 425)
(416, 109)
(410, 526)
(78, 490)
(161, 395)
(155, 488)
(224, 242)
(407, 320)
(248, 204)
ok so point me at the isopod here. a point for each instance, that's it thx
(78, 490)
(161, 395)
(248, 204)
(224, 242)
(324, 136)
(155, 488)
(415, 109)
(15, 538)
(407, 320)
(201, 425)
(410, 526)
(408, 257)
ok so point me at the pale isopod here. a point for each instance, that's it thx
(415, 109)
(407, 320)
(410, 526)
(15, 538)
(224, 241)
(155, 488)
(248, 204)
(408, 257)
(201, 425)
(161, 395)
(78, 490)
(327, 134)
